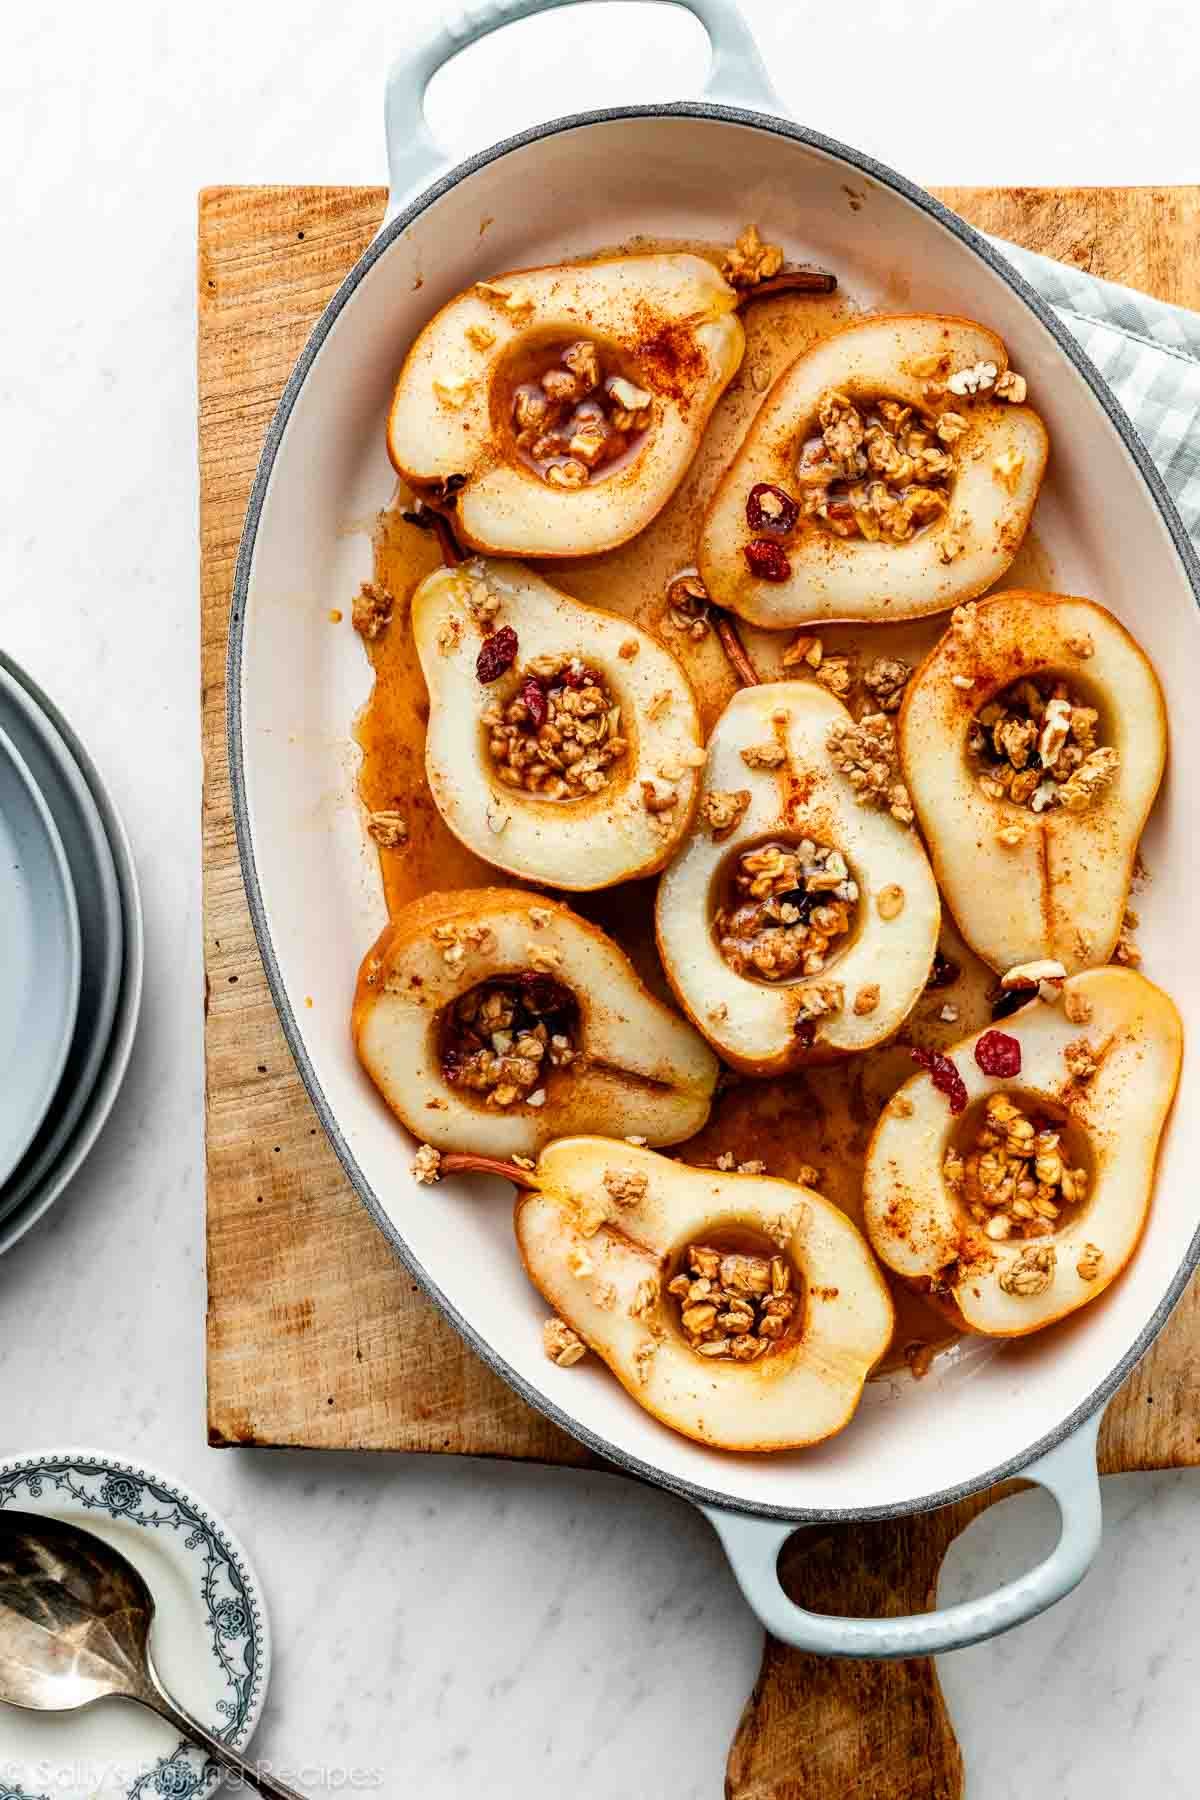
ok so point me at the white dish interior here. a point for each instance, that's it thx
(302, 683)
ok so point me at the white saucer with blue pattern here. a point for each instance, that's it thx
(210, 1639)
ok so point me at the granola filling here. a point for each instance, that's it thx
(1012, 1171)
(502, 1038)
(787, 911)
(559, 735)
(877, 469)
(1036, 745)
(734, 1305)
(575, 416)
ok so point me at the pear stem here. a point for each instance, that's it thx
(466, 1163)
(735, 650)
(427, 517)
(801, 278)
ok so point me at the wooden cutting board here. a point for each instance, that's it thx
(316, 1335)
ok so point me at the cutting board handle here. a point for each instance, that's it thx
(736, 77)
(1068, 1472)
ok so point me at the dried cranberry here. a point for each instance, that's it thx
(576, 678)
(766, 560)
(759, 519)
(543, 994)
(945, 1077)
(496, 653)
(944, 973)
(536, 704)
(805, 1031)
(998, 1054)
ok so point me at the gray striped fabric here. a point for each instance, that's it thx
(1149, 354)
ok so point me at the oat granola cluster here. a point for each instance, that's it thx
(574, 421)
(1036, 745)
(878, 471)
(733, 1306)
(1013, 1180)
(865, 753)
(787, 907)
(560, 735)
(502, 1037)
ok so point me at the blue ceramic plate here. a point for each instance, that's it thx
(210, 1640)
(102, 932)
(40, 957)
(115, 1061)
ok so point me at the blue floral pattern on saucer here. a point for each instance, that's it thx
(229, 1594)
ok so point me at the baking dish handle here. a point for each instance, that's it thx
(1069, 1472)
(736, 76)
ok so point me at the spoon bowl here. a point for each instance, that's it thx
(75, 1622)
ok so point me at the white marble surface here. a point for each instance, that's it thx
(464, 1629)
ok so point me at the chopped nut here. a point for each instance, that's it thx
(629, 649)
(751, 260)
(1126, 951)
(687, 605)
(950, 427)
(1032, 1272)
(976, 380)
(949, 547)
(1088, 1266)
(1080, 646)
(645, 1297)
(450, 634)
(643, 1359)
(372, 610)
(1081, 1059)
(541, 956)
(580, 1264)
(1011, 387)
(1033, 974)
(866, 999)
(427, 1165)
(764, 756)
(962, 681)
(540, 917)
(835, 675)
(1007, 468)
(885, 681)
(479, 337)
(625, 1186)
(949, 1014)
(563, 1346)
(658, 798)
(722, 810)
(389, 829)
(1010, 836)
(804, 649)
(638, 1142)
(889, 902)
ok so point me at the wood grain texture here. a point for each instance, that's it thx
(316, 1336)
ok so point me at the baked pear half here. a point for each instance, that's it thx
(564, 743)
(890, 472)
(1029, 1201)
(561, 407)
(766, 1350)
(1033, 739)
(492, 1021)
(796, 924)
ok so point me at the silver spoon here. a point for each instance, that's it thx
(74, 1628)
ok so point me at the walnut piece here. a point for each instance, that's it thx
(625, 1186)
(751, 260)
(722, 810)
(427, 1165)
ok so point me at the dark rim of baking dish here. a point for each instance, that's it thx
(1122, 424)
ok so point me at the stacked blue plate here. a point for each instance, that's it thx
(70, 953)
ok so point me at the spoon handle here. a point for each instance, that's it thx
(158, 1700)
